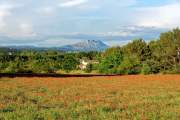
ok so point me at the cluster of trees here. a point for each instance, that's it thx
(29, 61)
(162, 55)
(137, 57)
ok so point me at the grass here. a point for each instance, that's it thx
(77, 72)
(154, 97)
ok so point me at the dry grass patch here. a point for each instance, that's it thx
(154, 97)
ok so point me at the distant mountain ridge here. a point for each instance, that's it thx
(88, 45)
(84, 46)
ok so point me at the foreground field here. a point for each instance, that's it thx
(91, 98)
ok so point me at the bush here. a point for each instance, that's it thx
(70, 63)
(89, 68)
(146, 69)
(130, 65)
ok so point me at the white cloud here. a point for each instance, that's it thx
(97, 4)
(126, 3)
(166, 16)
(117, 33)
(4, 12)
(72, 3)
(57, 42)
(9, 26)
(47, 11)
(23, 30)
(94, 19)
(26, 29)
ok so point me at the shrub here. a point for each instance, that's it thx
(89, 68)
(130, 65)
(146, 69)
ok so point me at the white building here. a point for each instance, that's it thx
(83, 64)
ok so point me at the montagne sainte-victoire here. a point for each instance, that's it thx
(83, 46)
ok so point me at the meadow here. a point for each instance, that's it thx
(135, 97)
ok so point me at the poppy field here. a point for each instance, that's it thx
(134, 97)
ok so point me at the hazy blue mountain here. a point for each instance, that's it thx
(88, 45)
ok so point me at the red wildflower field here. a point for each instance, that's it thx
(153, 97)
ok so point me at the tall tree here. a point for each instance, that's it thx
(138, 48)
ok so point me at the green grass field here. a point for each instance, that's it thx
(154, 97)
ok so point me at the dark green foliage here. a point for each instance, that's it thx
(37, 62)
(130, 65)
(138, 48)
(162, 55)
(111, 59)
(89, 68)
(146, 69)
(89, 55)
(69, 63)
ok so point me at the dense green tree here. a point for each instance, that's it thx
(138, 48)
(111, 59)
(170, 42)
(70, 63)
(89, 68)
(130, 65)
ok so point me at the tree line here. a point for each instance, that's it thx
(31, 61)
(157, 56)
(137, 57)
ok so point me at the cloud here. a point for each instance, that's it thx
(46, 11)
(11, 24)
(26, 29)
(4, 12)
(126, 3)
(72, 3)
(166, 16)
(85, 19)
(7, 18)
(23, 30)
(120, 36)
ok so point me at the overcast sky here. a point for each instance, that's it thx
(60, 22)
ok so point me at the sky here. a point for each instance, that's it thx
(56, 23)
